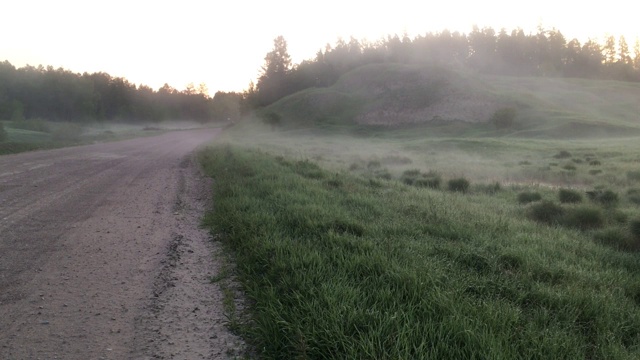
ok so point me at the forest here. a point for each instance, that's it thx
(546, 53)
(61, 95)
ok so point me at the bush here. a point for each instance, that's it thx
(595, 171)
(634, 196)
(563, 154)
(595, 163)
(584, 218)
(546, 212)
(528, 197)
(503, 118)
(272, 119)
(616, 238)
(633, 175)
(604, 197)
(411, 173)
(634, 228)
(569, 167)
(3, 133)
(569, 196)
(431, 179)
(458, 184)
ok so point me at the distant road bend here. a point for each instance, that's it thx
(101, 256)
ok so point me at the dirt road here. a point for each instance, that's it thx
(101, 256)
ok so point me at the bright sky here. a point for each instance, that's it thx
(223, 43)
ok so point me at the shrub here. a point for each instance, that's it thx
(577, 161)
(595, 163)
(569, 167)
(634, 228)
(569, 196)
(503, 118)
(272, 119)
(633, 175)
(528, 197)
(616, 238)
(546, 212)
(432, 179)
(634, 196)
(584, 218)
(604, 197)
(595, 171)
(459, 184)
(563, 154)
(3, 133)
(354, 167)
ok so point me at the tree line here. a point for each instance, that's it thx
(61, 95)
(545, 53)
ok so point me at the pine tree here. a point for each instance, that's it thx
(623, 51)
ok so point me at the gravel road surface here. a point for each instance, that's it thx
(101, 256)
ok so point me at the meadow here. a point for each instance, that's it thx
(430, 242)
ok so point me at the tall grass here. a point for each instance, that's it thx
(338, 266)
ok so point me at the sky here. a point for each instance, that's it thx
(223, 43)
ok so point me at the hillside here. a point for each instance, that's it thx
(395, 94)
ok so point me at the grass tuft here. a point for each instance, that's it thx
(569, 196)
(546, 212)
(528, 197)
(458, 185)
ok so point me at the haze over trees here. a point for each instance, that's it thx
(546, 53)
(61, 95)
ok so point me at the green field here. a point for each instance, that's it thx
(446, 240)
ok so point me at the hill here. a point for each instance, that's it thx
(396, 94)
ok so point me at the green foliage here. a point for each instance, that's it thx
(569, 196)
(584, 218)
(546, 212)
(526, 197)
(616, 238)
(563, 154)
(3, 133)
(634, 228)
(39, 125)
(272, 119)
(458, 185)
(634, 196)
(595, 163)
(633, 175)
(503, 118)
(569, 167)
(604, 197)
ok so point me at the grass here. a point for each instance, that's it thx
(338, 264)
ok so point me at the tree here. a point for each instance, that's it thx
(609, 50)
(623, 51)
(277, 64)
(636, 55)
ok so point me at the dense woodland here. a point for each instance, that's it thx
(546, 53)
(61, 95)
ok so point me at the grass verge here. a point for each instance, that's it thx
(338, 266)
